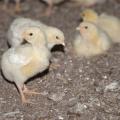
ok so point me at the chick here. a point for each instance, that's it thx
(108, 23)
(51, 3)
(91, 41)
(20, 63)
(87, 3)
(54, 35)
(89, 15)
(17, 6)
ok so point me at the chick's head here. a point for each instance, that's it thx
(34, 35)
(55, 37)
(88, 30)
(89, 15)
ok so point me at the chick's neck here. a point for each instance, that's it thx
(39, 45)
(38, 42)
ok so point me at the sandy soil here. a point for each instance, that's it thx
(80, 89)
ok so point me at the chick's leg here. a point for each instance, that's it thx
(27, 91)
(20, 88)
(5, 5)
(17, 6)
(49, 9)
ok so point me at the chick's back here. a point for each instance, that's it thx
(111, 25)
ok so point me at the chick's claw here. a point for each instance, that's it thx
(26, 101)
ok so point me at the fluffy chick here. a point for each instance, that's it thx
(54, 35)
(87, 3)
(22, 62)
(108, 23)
(91, 40)
(51, 3)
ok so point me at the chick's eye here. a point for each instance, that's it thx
(86, 27)
(31, 34)
(57, 37)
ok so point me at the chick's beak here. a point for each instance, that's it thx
(63, 43)
(24, 37)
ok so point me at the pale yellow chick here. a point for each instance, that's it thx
(87, 3)
(108, 23)
(91, 41)
(20, 63)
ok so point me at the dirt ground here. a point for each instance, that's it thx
(80, 88)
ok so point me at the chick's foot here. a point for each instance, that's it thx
(27, 91)
(23, 98)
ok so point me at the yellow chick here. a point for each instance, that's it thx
(87, 3)
(51, 3)
(108, 23)
(54, 36)
(20, 63)
(17, 6)
(91, 41)
(89, 15)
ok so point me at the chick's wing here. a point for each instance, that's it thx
(21, 55)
